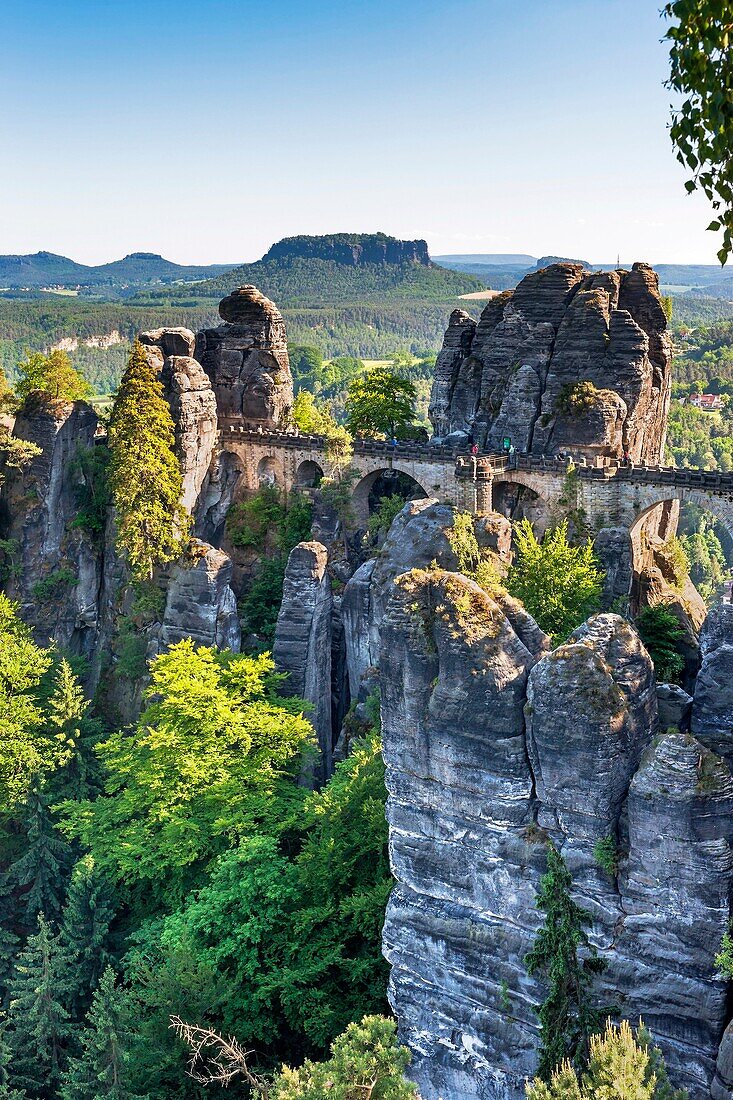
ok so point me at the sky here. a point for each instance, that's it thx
(205, 130)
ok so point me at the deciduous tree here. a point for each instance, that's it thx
(379, 402)
(701, 70)
(559, 584)
(51, 377)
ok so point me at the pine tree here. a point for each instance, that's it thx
(73, 735)
(566, 1015)
(7, 1092)
(101, 1071)
(144, 474)
(40, 872)
(620, 1067)
(84, 930)
(38, 1018)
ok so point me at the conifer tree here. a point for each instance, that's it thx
(7, 1091)
(84, 929)
(101, 1071)
(73, 735)
(40, 872)
(566, 1015)
(144, 473)
(38, 1019)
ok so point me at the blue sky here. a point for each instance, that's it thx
(208, 130)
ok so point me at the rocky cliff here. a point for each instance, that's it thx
(246, 359)
(352, 249)
(568, 360)
(490, 752)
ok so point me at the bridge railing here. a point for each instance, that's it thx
(405, 450)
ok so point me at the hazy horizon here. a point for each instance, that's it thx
(212, 130)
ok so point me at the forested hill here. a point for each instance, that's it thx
(345, 268)
(46, 269)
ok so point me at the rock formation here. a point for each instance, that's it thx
(353, 249)
(192, 401)
(567, 360)
(200, 603)
(55, 572)
(303, 642)
(489, 752)
(246, 359)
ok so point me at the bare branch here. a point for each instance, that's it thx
(216, 1060)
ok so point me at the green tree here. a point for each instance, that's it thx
(16, 453)
(297, 938)
(567, 1017)
(144, 474)
(84, 930)
(7, 1091)
(72, 735)
(559, 584)
(38, 1017)
(50, 376)
(204, 766)
(309, 417)
(24, 751)
(40, 872)
(306, 367)
(620, 1067)
(379, 402)
(701, 70)
(102, 1070)
(663, 637)
(366, 1060)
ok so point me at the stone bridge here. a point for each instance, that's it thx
(608, 495)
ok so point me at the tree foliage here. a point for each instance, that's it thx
(23, 748)
(559, 584)
(144, 474)
(51, 377)
(202, 768)
(662, 634)
(366, 1060)
(701, 70)
(379, 402)
(563, 956)
(620, 1067)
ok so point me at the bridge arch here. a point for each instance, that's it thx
(520, 494)
(270, 471)
(308, 474)
(380, 481)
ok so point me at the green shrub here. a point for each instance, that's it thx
(51, 587)
(605, 853)
(663, 636)
(389, 508)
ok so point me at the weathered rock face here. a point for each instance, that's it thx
(601, 681)
(353, 249)
(57, 570)
(613, 548)
(569, 360)
(246, 359)
(675, 891)
(417, 537)
(460, 796)
(489, 750)
(712, 708)
(200, 603)
(192, 401)
(303, 643)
